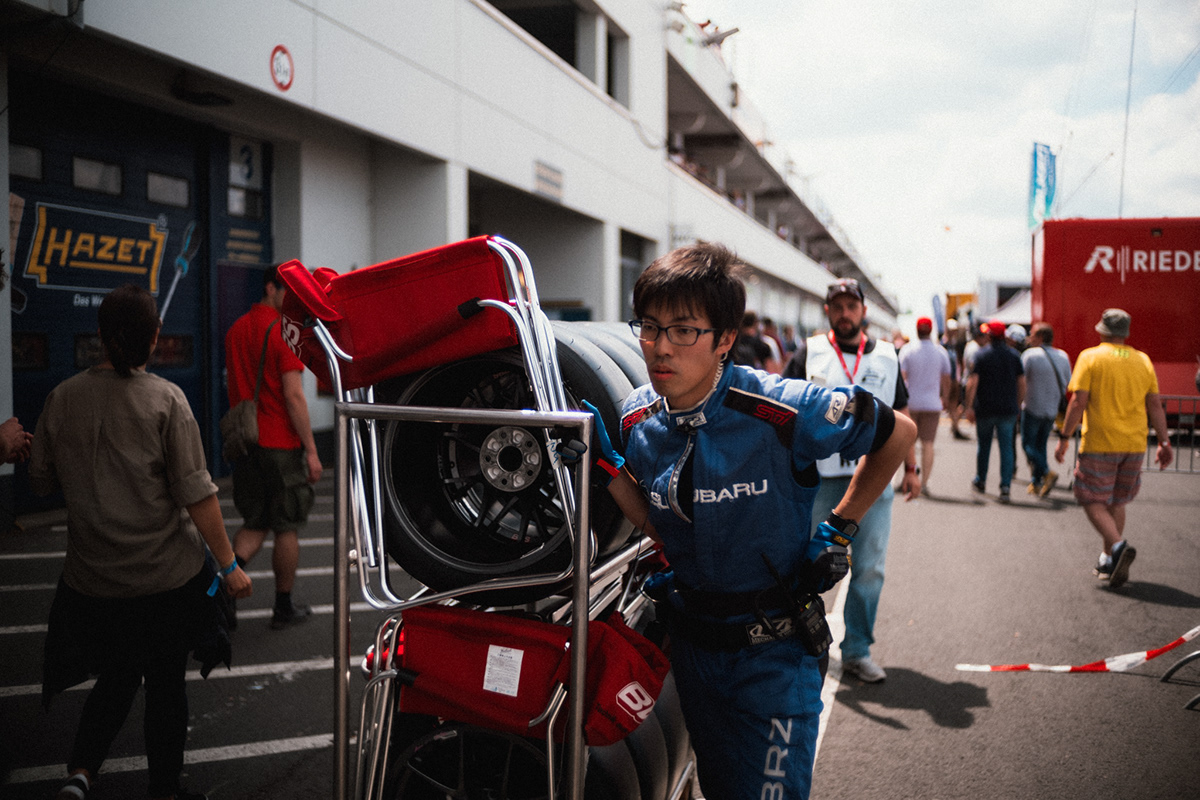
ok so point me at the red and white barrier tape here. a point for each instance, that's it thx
(1114, 664)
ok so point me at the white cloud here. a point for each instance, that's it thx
(914, 121)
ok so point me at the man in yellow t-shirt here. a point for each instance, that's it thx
(1115, 392)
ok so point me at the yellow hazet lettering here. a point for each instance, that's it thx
(125, 250)
(107, 245)
(85, 245)
(159, 238)
(59, 246)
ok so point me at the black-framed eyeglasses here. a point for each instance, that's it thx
(682, 335)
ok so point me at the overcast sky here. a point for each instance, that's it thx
(914, 120)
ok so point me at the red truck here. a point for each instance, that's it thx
(1149, 267)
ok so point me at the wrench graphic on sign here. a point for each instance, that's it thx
(191, 245)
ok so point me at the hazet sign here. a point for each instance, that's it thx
(78, 249)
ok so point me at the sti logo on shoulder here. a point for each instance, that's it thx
(776, 416)
(837, 406)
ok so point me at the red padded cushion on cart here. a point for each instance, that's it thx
(400, 316)
(499, 671)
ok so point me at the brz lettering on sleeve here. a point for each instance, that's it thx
(837, 406)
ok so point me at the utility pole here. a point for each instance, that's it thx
(1128, 95)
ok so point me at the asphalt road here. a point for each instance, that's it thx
(969, 580)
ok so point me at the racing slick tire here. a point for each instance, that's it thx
(453, 520)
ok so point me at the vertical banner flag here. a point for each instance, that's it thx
(1041, 185)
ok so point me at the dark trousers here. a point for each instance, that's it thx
(1035, 433)
(125, 643)
(165, 722)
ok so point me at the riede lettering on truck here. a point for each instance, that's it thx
(1125, 259)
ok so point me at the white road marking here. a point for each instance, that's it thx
(245, 671)
(206, 755)
(253, 613)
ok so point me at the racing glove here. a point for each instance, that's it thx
(828, 555)
(609, 461)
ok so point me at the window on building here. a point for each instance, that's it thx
(618, 66)
(25, 161)
(551, 22)
(96, 176)
(245, 203)
(168, 190)
(588, 41)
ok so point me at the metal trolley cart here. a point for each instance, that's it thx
(462, 482)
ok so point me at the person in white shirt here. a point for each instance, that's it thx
(1047, 372)
(925, 365)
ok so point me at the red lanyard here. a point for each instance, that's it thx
(862, 346)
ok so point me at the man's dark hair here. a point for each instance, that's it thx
(271, 278)
(128, 322)
(702, 278)
(1044, 330)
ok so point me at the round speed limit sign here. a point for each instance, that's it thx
(282, 69)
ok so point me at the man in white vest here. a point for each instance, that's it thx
(842, 356)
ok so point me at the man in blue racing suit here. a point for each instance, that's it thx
(719, 468)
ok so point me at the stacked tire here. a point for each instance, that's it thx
(469, 502)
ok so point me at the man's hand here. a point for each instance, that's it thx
(1163, 455)
(1060, 452)
(828, 556)
(238, 584)
(910, 486)
(15, 442)
(609, 461)
(313, 462)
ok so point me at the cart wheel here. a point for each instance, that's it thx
(461, 761)
(472, 502)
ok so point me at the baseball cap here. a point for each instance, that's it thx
(1016, 333)
(844, 286)
(996, 329)
(1114, 322)
(924, 324)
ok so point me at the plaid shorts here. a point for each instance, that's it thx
(1109, 478)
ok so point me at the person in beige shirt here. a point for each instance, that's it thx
(123, 447)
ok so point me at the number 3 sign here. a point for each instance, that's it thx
(281, 68)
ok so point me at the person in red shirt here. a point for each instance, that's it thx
(273, 483)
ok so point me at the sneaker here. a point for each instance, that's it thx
(962, 437)
(1032, 488)
(1004, 496)
(1048, 482)
(864, 669)
(977, 485)
(1122, 556)
(291, 616)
